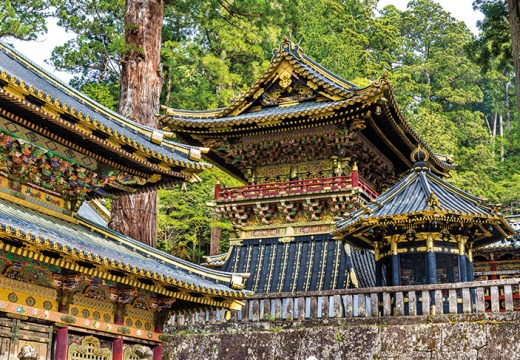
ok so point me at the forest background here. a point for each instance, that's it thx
(456, 89)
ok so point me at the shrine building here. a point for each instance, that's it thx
(70, 288)
(311, 147)
(424, 230)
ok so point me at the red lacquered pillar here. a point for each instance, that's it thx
(117, 344)
(218, 187)
(62, 339)
(62, 335)
(158, 350)
(355, 176)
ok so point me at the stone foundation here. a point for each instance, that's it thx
(470, 336)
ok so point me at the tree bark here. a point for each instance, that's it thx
(216, 232)
(141, 81)
(501, 128)
(514, 25)
(494, 136)
(508, 107)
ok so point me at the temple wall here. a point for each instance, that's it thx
(470, 336)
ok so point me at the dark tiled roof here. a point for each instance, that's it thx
(20, 69)
(332, 78)
(424, 193)
(307, 263)
(364, 265)
(386, 127)
(413, 194)
(104, 243)
(303, 65)
(250, 117)
(86, 211)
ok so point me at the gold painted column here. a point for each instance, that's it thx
(463, 273)
(379, 266)
(471, 271)
(396, 265)
(431, 261)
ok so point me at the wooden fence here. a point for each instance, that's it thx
(456, 298)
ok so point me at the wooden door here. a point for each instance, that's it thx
(15, 334)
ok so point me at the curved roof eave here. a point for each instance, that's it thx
(30, 80)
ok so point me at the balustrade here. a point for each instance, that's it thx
(454, 298)
(294, 187)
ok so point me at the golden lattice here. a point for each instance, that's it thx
(90, 303)
(90, 348)
(27, 288)
(139, 314)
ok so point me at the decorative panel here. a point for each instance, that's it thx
(89, 348)
(20, 132)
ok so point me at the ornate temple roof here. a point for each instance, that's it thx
(295, 92)
(28, 93)
(83, 246)
(424, 196)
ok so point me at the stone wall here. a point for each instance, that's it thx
(469, 336)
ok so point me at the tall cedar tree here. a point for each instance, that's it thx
(514, 24)
(140, 87)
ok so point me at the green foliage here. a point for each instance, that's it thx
(96, 50)
(105, 93)
(23, 19)
(494, 40)
(185, 219)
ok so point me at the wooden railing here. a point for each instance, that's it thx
(307, 186)
(456, 298)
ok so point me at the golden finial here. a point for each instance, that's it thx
(419, 154)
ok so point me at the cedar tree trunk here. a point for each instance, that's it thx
(514, 24)
(136, 215)
(216, 232)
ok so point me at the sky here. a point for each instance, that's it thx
(461, 10)
(40, 50)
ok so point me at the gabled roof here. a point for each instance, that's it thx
(423, 195)
(287, 60)
(107, 253)
(296, 92)
(28, 92)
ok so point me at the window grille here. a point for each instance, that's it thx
(90, 349)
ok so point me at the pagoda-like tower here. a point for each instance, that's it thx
(310, 146)
(424, 230)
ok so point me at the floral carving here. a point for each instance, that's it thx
(29, 163)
